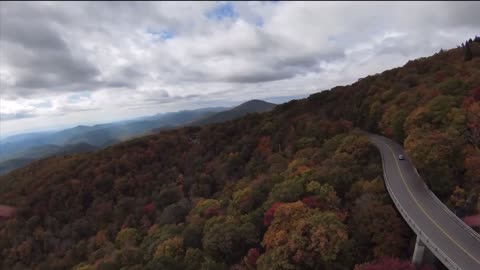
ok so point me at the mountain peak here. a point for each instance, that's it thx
(251, 106)
(255, 105)
(256, 101)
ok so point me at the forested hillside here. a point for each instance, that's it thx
(25, 157)
(431, 105)
(295, 188)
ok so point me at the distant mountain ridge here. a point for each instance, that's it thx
(22, 149)
(19, 150)
(252, 106)
(102, 134)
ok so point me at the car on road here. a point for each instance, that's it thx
(401, 157)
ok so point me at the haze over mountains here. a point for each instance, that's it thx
(19, 150)
(252, 106)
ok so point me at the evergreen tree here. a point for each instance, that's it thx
(468, 52)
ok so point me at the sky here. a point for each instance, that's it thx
(69, 63)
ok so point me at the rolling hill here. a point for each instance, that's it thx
(252, 106)
(27, 156)
(19, 150)
(12, 164)
(36, 145)
(16, 151)
(102, 134)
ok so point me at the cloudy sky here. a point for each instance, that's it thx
(63, 64)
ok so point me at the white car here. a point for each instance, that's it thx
(401, 157)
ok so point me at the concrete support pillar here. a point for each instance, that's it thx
(421, 254)
(418, 253)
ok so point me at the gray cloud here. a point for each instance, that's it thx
(15, 116)
(39, 57)
(266, 76)
(50, 50)
(67, 109)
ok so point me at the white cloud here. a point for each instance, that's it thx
(136, 58)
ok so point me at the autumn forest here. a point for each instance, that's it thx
(299, 187)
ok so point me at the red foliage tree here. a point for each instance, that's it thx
(149, 209)
(269, 214)
(311, 202)
(476, 93)
(252, 256)
(211, 212)
(263, 146)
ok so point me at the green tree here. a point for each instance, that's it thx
(468, 52)
(127, 237)
(397, 125)
(225, 239)
(193, 258)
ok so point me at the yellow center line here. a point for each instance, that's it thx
(421, 208)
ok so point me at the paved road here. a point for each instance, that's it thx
(433, 221)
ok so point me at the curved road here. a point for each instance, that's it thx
(452, 241)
